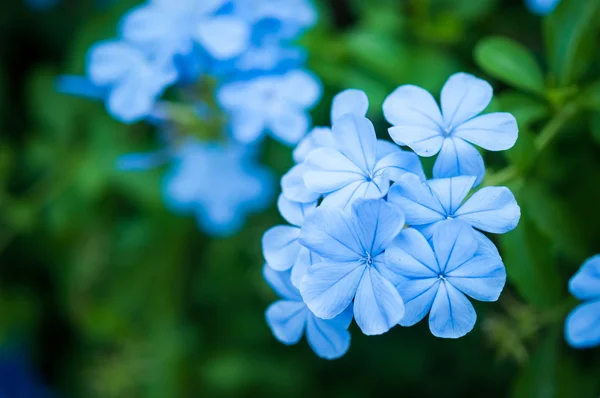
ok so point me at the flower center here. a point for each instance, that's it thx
(442, 277)
(368, 259)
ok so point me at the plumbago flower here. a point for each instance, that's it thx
(426, 203)
(357, 166)
(419, 124)
(277, 104)
(582, 328)
(542, 7)
(352, 246)
(281, 247)
(289, 318)
(219, 183)
(436, 276)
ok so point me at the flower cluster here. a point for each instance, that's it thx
(371, 238)
(582, 328)
(242, 53)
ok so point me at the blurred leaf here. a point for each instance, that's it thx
(510, 62)
(525, 108)
(595, 127)
(530, 265)
(572, 39)
(591, 96)
(520, 155)
(553, 219)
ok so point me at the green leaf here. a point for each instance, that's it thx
(510, 62)
(520, 155)
(571, 39)
(530, 265)
(591, 96)
(525, 108)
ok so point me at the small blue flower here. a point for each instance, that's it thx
(352, 247)
(582, 328)
(437, 276)
(219, 183)
(491, 209)
(281, 247)
(418, 123)
(289, 319)
(358, 166)
(133, 83)
(278, 104)
(166, 28)
(542, 7)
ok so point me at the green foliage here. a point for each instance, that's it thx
(114, 296)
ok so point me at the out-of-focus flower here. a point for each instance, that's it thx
(17, 379)
(436, 277)
(289, 319)
(219, 183)
(542, 7)
(582, 328)
(280, 244)
(132, 81)
(277, 104)
(418, 123)
(358, 166)
(352, 247)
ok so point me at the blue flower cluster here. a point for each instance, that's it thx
(246, 47)
(582, 328)
(371, 238)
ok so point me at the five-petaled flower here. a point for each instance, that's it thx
(289, 318)
(418, 123)
(582, 328)
(352, 246)
(436, 276)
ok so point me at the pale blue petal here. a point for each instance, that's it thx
(326, 338)
(411, 106)
(344, 197)
(318, 137)
(425, 142)
(486, 246)
(146, 26)
(329, 233)
(329, 170)
(419, 204)
(454, 243)
(349, 101)
(280, 282)
(247, 126)
(223, 36)
(378, 305)
(482, 278)
(493, 131)
(399, 162)
(294, 188)
(585, 284)
(111, 61)
(287, 320)
(355, 138)
(452, 314)
(328, 288)
(459, 158)
(376, 223)
(418, 295)
(130, 100)
(582, 328)
(294, 212)
(491, 209)
(464, 96)
(411, 256)
(304, 260)
(290, 126)
(385, 148)
(301, 88)
(451, 192)
(280, 247)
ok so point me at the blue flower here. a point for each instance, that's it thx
(165, 28)
(281, 247)
(418, 123)
(437, 276)
(278, 104)
(352, 249)
(289, 318)
(542, 7)
(491, 209)
(133, 83)
(219, 183)
(582, 328)
(358, 166)
(17, 378)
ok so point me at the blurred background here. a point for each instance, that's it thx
(104, 292)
